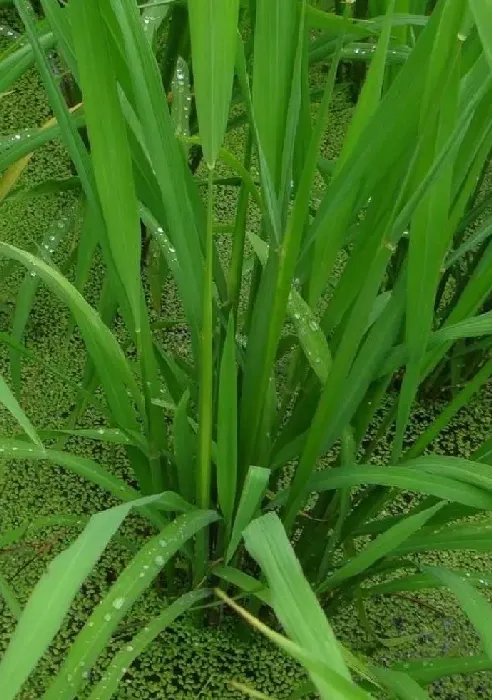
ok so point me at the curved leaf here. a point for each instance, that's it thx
(52, 596)
(430, 669)
(474, 604)
(404, 478)
(134, 580)
(108, 684)
(381, 547)
(112, 366)
(8, 400)
(421, 582)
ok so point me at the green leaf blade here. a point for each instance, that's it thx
(213, 27)
(293, 600)
(52, 597)
(227, 427)
(110, 151)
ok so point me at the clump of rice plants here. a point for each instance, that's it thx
(344, 291)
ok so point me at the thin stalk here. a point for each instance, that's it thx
(253, 291)
(348, 458)
(205, 405)
(235, 271)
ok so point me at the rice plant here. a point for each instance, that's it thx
(313, 337)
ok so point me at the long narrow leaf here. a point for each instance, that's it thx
(107, 355)
(51, 599)
(134, 580)
(474, 604)
(333, 684)
(110, 152)
(213, 44)
(8, 400)
(401, 477)
(253, 490)
(227, 428)
(293, 600)
(108, 684)
(380, 547)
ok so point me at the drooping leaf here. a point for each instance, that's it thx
(51, 599)
(473, 603)
(27, 291)
(403, 685)
(112, 366)
(108, 685)
(427, 670)
(133, 581)
(402, 477)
